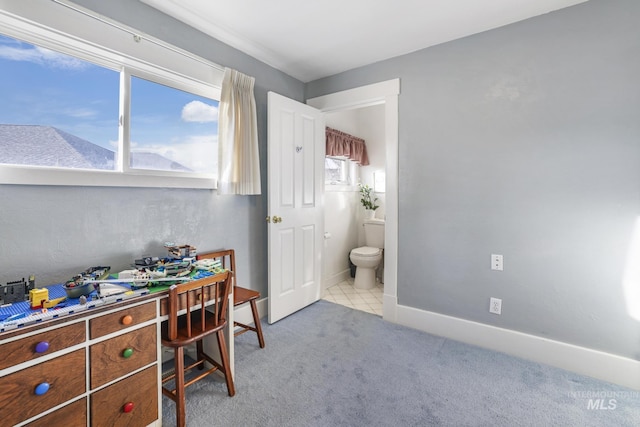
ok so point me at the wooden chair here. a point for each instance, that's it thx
(240, 295)
(189, 322)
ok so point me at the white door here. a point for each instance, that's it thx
(296, 147)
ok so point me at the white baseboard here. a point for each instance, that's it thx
(581, 360)
(390, 308)
(336, 278)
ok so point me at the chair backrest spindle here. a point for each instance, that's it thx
(193, 297)
(227, 259)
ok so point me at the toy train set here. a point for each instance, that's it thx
(23, 303)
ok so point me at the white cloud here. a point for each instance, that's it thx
(198, 153)
(197, 111)
(42, 56)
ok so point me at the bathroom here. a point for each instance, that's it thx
(344, 214)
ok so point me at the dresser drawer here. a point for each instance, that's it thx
(65, 376)
(130, 402)
(38, 345)
(72, 415)
(120, 355)
(122, 319)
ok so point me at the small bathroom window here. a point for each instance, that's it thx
(337, 171)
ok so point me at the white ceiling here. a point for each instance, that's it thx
(310, 39)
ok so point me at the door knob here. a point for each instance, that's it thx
(268, 219)
(277, 219)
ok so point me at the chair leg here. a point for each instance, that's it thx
(200, 353)
(224, 359)
(256, 320)
(181, 413)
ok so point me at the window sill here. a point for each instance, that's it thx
(340, 188)
(88, 178)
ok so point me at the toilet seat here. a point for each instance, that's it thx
(366, 252)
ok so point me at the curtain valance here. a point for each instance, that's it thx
(342, 144)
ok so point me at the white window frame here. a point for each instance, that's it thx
(65, 27)
(351, 171)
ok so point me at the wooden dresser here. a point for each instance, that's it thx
(98, 368)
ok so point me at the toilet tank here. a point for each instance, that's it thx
(374, 233)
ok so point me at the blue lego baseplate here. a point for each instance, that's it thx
(19, 314)
(55, 291)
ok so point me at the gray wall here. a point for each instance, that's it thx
(522, 141)
(54, 232)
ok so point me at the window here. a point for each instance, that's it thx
(102, 107)
(339, 171)
(58, 111)
(171, 129)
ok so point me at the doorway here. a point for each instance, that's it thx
(344, 214)
(368, 300)
(384, 93)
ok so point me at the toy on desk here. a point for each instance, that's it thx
(57, 302)
(176, 268)
(36, 296)
(180, 251)
(81, 284)
(97, 283)
(208, 264)
(108, 289)
(39, 298)
(178, 263)
(163, 268)
(138, 278)
(130, 280)
(16, 291)
(146, 262)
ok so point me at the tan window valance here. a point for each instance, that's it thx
(342, 144)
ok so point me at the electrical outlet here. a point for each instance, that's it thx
(497, 262)
(495, 305)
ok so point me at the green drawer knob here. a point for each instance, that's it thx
(127, 353)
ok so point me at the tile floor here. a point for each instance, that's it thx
(360, 299)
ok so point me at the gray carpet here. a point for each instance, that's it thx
(329, 365)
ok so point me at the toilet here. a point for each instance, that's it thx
(367, 258)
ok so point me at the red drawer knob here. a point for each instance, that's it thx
(128, 407)
(127, 320)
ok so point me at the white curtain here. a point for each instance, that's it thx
(238, 155)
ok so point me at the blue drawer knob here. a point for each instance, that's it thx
(42, 346)
(42, 388)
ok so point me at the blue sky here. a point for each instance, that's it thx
(43, 87)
